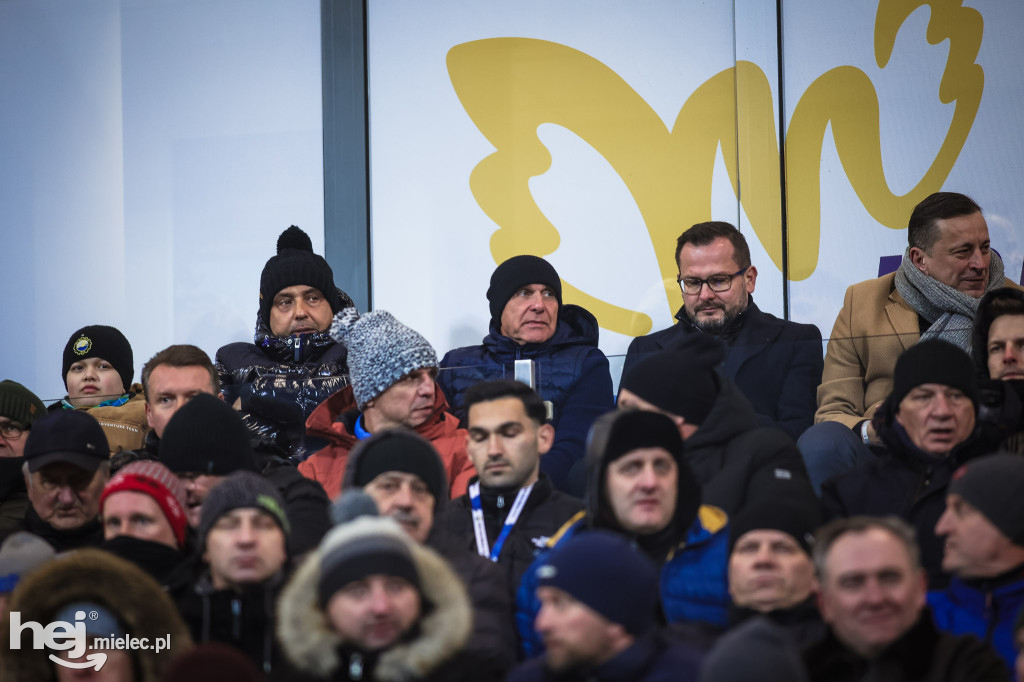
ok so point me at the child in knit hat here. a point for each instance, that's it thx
(98, 367)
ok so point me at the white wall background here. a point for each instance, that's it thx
(152, 152)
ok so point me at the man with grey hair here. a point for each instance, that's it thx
(393, 371)
(872, 596)
(66, 467)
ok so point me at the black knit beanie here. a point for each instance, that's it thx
(516, 273)
(605, 572)
(795, 515)
(620, 431)
(19, 403)
(242, 490)
(933, 362)
(400, 450)
(294, 264)
(100, 341)
(206, 436)
(994, 485)
(681, 381)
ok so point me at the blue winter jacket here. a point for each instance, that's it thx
(571, 373)
(989, 614)
(694, 586)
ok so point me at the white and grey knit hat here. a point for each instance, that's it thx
(381, 350)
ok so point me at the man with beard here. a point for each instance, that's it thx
(293, 364)
(775, 363)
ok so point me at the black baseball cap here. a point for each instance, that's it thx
(66, 436)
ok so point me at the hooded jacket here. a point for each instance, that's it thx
(335, 421)
(571, 373)
(737, 462)
(693, 549)
(280, 381)
(905, 481)
(432, 649)
(91, 575)
(996, 404)
(493, 635)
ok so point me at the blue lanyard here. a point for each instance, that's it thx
(480, 530)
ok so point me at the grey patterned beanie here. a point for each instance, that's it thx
(381, 350)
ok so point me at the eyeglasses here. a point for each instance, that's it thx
(717, 283)
(11, 431)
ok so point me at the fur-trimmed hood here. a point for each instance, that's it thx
(92, 575)
(312, 646)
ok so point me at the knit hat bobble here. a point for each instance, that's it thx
(604, 571)
(206, 436)
(381, 350)
(100, 341)
(295, 264)
(514, 274)
(20, 404)
(994, 485)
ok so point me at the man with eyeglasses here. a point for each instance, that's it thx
(19, 407)
(775, 363)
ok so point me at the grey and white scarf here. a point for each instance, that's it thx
(950, 311)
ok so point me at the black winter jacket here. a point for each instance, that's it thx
(281, 381)
(545, 511)
(922, 654)
(736, 461)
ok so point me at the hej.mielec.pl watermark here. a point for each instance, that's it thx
(72, 637)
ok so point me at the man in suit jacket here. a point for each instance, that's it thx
(947, 267)
(776, 364)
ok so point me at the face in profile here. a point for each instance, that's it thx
(574, 634)
(408, 402)
(373, 613)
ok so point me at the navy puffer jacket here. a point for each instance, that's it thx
(571, 373)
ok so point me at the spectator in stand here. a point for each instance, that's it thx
(873, 600)
(373, 604)
(404, 478)
(393, 386)
(121, 602)
(947, 267)
(529, 322)
(775, 364)
(983, 527)
(242, 539)
(206, 440)
(929, 429)
(66, 467)
(598, 617)
(293, 364)
(640, 486)
(735, 461)
(98, 370)
(508, 438)
(20, 554)
(19, 408)
(998, 352)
